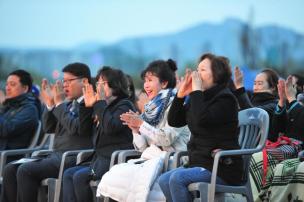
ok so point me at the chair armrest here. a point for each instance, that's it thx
(114, 158)
(13, 152)
(167, 160)
(124, 154)
(221, 153)
(41, 152)
(61, 170)
(63, 160)
(83, 155)
(177, 158)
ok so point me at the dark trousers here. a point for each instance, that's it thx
(9, 183)
(25, 179)
(76, 180)
(76, 184)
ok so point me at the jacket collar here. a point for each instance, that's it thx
(213, 91)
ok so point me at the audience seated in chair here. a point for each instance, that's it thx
(60, 117)
(265, 93)
(100, 118)
(151, 135)
(288, 122)
(19, 112)
(212, 117)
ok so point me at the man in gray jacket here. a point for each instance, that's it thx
(60, 117)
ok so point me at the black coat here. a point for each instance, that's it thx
(64, 122)
(19, 118)
(108, 132)
(212, 117)
(290, 121)
(266, 101)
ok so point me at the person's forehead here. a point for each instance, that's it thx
(150, 75)
(260, 77)
(13, 78)
(68, 75)
(205, 62)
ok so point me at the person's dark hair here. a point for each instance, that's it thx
(24, 77)
(300, 82)
(116, 79)
(220, 67)
(164, 70)
(131, 89)
(272, 79)
(78, 69)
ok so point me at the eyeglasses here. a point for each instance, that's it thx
(100, 82)
(68, 81)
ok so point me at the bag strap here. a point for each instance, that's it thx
(265, 166)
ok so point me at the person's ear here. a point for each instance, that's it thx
(85, 80)
(25, 89)
(164, 84)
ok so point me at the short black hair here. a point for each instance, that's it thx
(272, 79)
(220, 68)
(116, 79)
(24, 77)
(300, 81)
(131, 88)
(78, 69)
(164, 70)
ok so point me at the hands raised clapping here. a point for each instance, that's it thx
(190, 82)
(286, 90)
(46, 93)
(132, 119)
(185, 86)
(238, 78)
(52, 94)
(90, 97)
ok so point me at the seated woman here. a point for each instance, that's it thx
(265, 94)
(151, 135)
(210, 128)
(289, 114)
(100, 117)
(283, 180)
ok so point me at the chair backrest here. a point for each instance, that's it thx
(47, 141)
(253, 126)
(35, 138)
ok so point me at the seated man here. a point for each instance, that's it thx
(61, 118)
(19, 113)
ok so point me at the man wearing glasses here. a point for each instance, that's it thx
(60, 117)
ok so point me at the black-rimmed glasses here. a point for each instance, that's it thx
(68, 81)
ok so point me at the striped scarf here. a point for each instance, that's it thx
(155, 108)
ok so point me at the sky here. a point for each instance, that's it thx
(65, 24)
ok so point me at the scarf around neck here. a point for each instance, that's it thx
(155, 108)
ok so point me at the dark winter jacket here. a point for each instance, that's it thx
(19, 118)
(289, 120)
(266, 101)
(107, 131)
(212, 117)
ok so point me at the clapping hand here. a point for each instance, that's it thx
(46, 93)
(197, 83)
(58, 93)
(185, 86)
(2, 97)
(90, 97)
(132, 119)
(281, 92)
(290, 90)
(238, 78)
